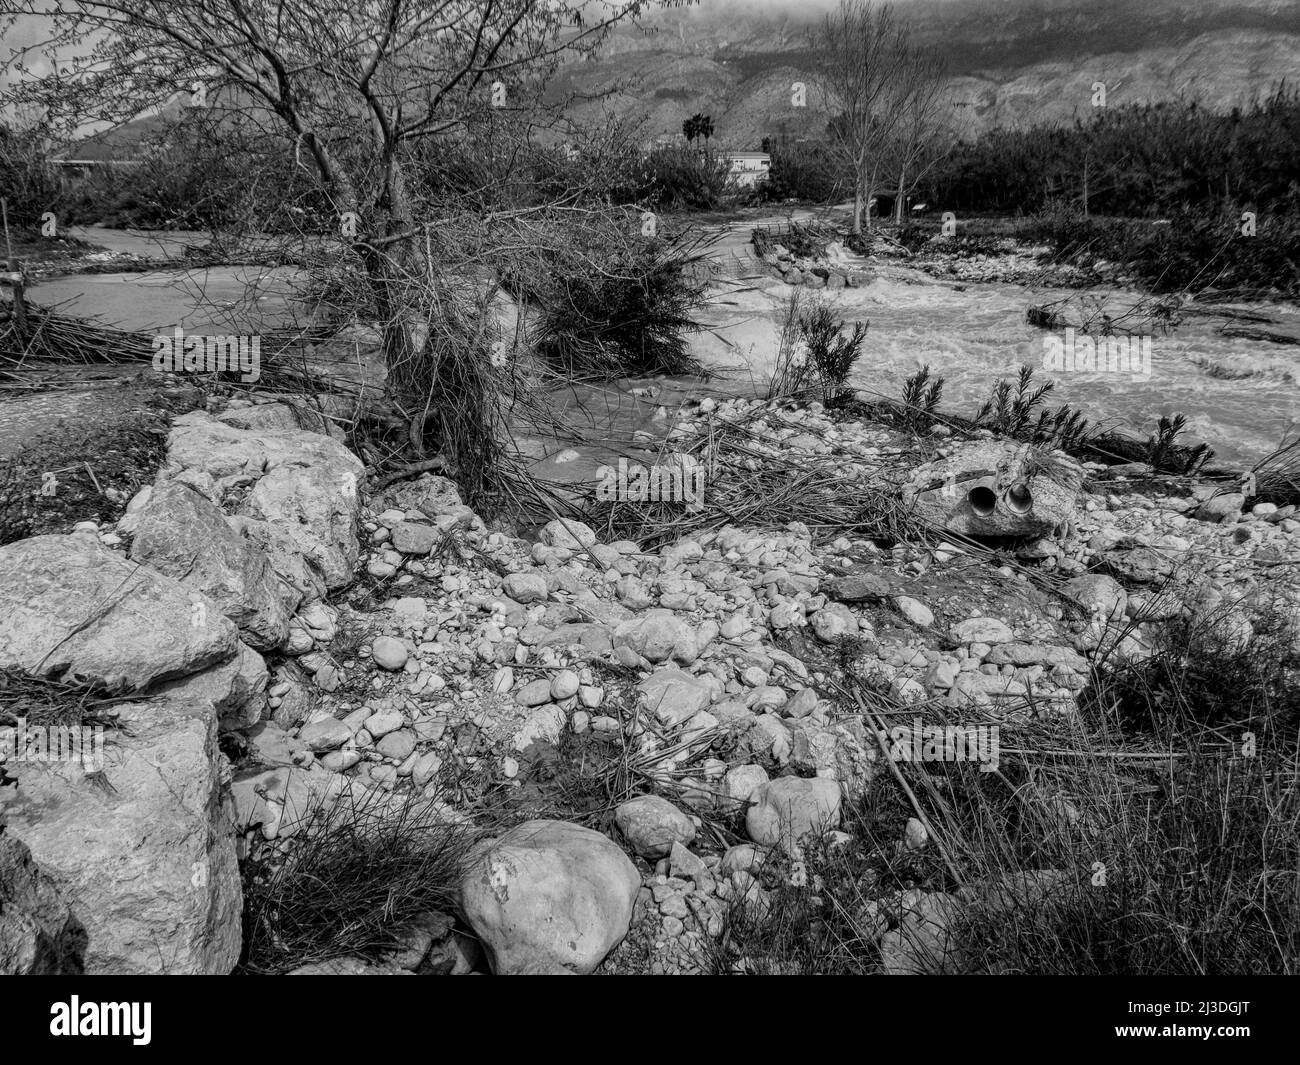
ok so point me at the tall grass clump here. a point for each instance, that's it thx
(357, 870)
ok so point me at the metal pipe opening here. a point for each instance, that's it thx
(982, 500)
(1019, 498)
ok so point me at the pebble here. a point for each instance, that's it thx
(389, 653)
(564, 684)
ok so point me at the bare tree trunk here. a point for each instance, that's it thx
(857, 208)
(898, 200)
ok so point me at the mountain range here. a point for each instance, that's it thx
(1010, 62)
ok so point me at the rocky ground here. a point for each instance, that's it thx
(392, 648)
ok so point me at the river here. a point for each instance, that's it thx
(1240, 396)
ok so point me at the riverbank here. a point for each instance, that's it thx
(720, 753)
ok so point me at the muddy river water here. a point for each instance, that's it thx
(1239, 395)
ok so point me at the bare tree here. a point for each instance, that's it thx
(923, 130)
(354, 86)
(862, 50)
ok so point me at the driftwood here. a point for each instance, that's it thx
(1044, 318)
(1228, 312)
(413, 470)
(1246, 332)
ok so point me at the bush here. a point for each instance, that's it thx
(29, 182)
(806, 171)
(921, 396)
(682, 178)
(613, 304)
(1137, 160)
(1010, 411)
(814, 356)
(203, 172)
(1196, 250)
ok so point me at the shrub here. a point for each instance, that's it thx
(1137, 160)
(1196, 250)
(29, 182)
(682, 178)
(613, 305)
(806, 171)
(813, 355)
(921, 395)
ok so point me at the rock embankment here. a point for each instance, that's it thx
(230, 552)
(712, 666)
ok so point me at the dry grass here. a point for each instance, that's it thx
(1106, 842)
(745, 485)
(47, 702)
(357, 871)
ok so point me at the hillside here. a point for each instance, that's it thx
(1012, 63)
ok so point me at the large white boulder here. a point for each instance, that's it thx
(789, 810)
(549, 897)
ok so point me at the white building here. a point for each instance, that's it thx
(748, 169)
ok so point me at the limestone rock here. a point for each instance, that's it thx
(924, 942)
(147, 864)
(412, 538)
(1099, 595)
(549, 897)
(652, 825)
(861, 587)
(222, 455)
(982, 630)
(526, 587)
(317, 508)
(657, 636)
(39, 936)
(916, 612)
(235, 689)
(185, 536)
(787, 810)
(71, 608)
(568, 534)
(430, 494)
(1225, 507)
(674, 695)
(388, 652)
